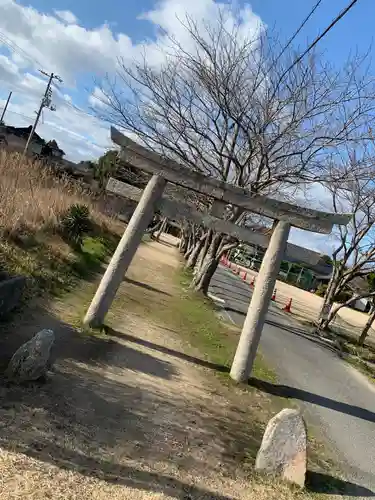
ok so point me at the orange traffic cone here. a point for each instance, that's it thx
(252, 282)
(274, 295)
(288, 307)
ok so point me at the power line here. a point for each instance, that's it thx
(61, 129)
(317, 39)
(47, 96)
(311, 46)
(79, 110)
(296, 33)
(16, 48)
(45, 103)
(20, 114)
(5, 108)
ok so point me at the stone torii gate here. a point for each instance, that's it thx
(285, 215)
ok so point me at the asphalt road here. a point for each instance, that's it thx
(334, 395)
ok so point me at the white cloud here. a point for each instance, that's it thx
(67, 49)
(67, 16)
(79, 135)
(98, 99)
(77, 53)
(169, 14)
(172, 15)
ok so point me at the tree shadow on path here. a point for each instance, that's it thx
(318, 482)
(285, 391)
(145, 286)
(166, 350)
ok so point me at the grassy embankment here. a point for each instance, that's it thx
(32, 202)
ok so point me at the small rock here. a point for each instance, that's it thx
(31, 360)
(283, 448)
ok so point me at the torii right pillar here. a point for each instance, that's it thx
(256, 314)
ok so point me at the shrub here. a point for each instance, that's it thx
(341, 297)
(74, 223)
(321, 290)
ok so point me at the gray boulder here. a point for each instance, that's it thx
(31, 360)
(283, 451)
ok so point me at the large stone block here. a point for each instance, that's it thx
(283, 451)
(10, 293)
(32, 360)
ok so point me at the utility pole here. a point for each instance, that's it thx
(5, 107)
(45, 103)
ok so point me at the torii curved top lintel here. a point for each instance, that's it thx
(151, 162)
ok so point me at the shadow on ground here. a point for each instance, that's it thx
(145, 286)
(285, 391)
(70, 344)
(166, 350)
(317, 482)
(105, 413)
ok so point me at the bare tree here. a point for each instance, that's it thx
(368, 325)
(354, 255)
(229, 107)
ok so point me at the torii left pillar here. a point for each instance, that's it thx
(125, 252)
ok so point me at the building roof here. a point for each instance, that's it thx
(23, 132)
(322, 269)
(52, 145)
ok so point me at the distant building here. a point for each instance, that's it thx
(293, 271)
(15, 138)
(51, 149)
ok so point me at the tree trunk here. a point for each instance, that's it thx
(152, 229)
(206, 275)
(203, 277)
(202, 254)
(188, 245)
(336, 309)
(183, 242)
(367, 326)
(161, 229)
(192, 241)
(328, 298)
(192, 260)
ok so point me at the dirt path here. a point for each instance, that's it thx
(128, 415)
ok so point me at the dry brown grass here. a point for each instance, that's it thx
(32, 198)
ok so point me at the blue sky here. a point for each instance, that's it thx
(81, 40)
(354, 30)
(61, 49)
